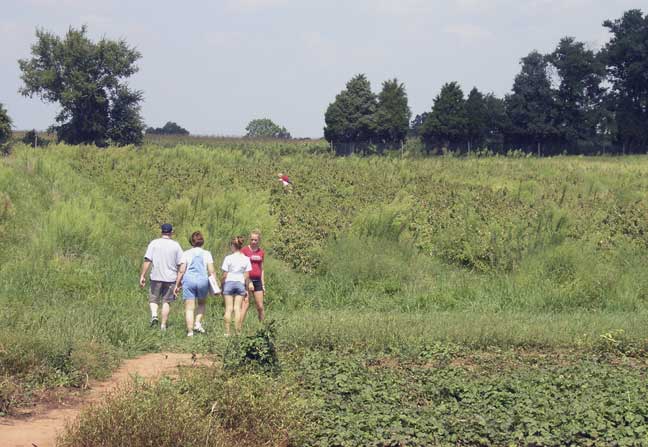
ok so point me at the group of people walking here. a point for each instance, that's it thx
(192, 272)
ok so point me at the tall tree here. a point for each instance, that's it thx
(88, 81)
(626, 57)
(580, 95)
(447, 123)
(417, 123)
(531, 107)
(498, 121)
(350, 119)
(170, 128)
(392, 114)
(477, 119)
(5, 126)
(126, 123)
(266, 128)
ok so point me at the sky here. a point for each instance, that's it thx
(213, 65)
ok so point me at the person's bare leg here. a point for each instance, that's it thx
(229, 307)
(190, 306)
(258, 301)
(238, 301)
(245, 305)
(200, 311)
(154, 310)
(166, 307)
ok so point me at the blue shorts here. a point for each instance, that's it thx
(194, 288)
(234, 288)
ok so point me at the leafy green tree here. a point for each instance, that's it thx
(626, 58)
(531, 106)
(497, 120)
(32, 139)
(392, 114)
(350, 119)
(447, 123)
(477, 119)
(417, 123)
(88, 81)
(5, 126)
(266, 128)
(170, 128)
(580, 95)
(126, 123)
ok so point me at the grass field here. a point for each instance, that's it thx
(417, 301)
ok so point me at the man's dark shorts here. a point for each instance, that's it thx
(161, 292)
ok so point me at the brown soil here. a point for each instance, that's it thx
(41, 428)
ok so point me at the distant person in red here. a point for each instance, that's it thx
(257, 279)
(284, 179)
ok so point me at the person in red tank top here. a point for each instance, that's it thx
(257, 279)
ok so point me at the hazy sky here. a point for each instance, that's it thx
(212, 66)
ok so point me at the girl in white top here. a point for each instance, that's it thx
(236, 268)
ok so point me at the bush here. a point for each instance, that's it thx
(32, 139)
(203, 408)
(254, 352)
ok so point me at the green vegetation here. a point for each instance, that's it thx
(474, 301)
(598, 105)
(170, 128)
(266, 128)
(5, 128)
(88, 81)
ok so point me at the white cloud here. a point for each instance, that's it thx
(404, 7)
(224, 39)
(96, 22)
(469, 32)
(477, 6)
(321, 51)
(252, 6)
(557, 6)
(77, 5)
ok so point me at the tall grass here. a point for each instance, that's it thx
(373, 253)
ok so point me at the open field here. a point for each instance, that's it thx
(436, 301)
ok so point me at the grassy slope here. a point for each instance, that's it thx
(478, 253)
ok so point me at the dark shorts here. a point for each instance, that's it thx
(258, 284)
(161, 292)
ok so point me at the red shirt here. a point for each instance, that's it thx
(256, 259)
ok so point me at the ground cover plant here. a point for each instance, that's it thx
(447, 301)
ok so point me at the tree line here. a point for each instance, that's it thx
(574, 100)
(88, 80)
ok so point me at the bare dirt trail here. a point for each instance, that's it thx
(41, 429)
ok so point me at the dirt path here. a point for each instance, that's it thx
(41, 429)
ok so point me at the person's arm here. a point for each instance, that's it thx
(224, 268)
(145, 266)
(246, 273)
(210, 269)
(246, 278)
(263, 279)
(181, 272)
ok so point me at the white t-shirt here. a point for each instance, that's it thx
(188, 256)
(235, 265)
(165, 254)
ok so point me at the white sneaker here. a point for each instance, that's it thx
(163, 327)
(189, 334)
(198, 328)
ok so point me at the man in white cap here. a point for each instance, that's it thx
(165, 255)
